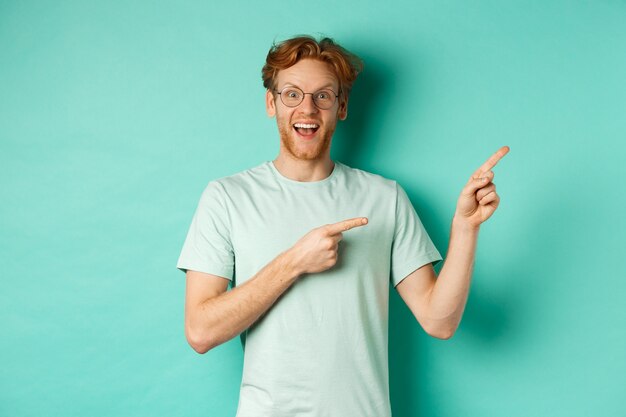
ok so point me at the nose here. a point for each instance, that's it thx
(308, 105)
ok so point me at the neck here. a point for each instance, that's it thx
(304, 170)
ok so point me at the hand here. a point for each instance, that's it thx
(317, 250)
(479, 199)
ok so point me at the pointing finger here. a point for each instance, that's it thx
(345, 225)
(492, 161)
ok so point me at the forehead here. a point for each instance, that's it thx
(308, 74)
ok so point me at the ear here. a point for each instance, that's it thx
(342, 113)
(270, 104)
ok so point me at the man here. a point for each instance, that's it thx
(311, 246)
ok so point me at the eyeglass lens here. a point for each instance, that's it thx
(293, 96)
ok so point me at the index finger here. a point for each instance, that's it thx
(492, 161)
(345, 225)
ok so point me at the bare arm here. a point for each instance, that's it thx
(438, 302)
(214, 315)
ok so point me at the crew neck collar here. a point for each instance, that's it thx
(321, 182)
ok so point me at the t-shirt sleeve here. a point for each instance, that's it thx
(412, 248)
(208, 246)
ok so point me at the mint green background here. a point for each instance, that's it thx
(115, 115)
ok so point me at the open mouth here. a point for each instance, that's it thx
(306, 129)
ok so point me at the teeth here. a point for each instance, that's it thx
(306, 125)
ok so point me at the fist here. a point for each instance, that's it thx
(317, 250)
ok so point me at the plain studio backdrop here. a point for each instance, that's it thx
(115, 115)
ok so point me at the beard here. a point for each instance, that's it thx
(313, 151)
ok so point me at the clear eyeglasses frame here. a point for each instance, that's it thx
(292, 97)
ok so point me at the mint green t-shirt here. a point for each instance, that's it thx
(321, 349)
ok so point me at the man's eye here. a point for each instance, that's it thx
(323, 95)
(292, 94)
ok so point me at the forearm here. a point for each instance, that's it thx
(223, 317)
(449, 294)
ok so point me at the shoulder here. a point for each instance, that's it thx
(243, 181)
(251, 175)
(373, 182)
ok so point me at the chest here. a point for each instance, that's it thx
(266, 223)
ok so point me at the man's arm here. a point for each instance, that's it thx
(438, 302)
(214, 315)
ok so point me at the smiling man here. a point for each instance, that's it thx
(311, 247)
(306, 126)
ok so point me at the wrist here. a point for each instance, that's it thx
(464, 225)
(289, 263)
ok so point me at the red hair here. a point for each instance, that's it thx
(345, 64)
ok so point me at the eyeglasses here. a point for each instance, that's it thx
(293, 96)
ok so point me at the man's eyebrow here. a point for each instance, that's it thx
(327, 86)
(290, 85)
